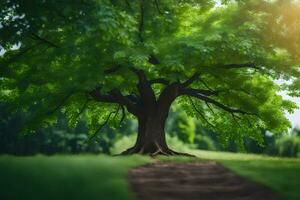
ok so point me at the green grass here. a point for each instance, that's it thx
(280, 174)
(66, 177)
(104, 177)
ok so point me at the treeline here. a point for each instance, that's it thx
(181, 129)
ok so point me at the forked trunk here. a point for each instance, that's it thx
(151, 139)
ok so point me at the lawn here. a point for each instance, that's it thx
(280, 174)
(104, 177)
(61, 177)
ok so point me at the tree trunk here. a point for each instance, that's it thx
(151, 139)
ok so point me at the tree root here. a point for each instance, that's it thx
(158, 152)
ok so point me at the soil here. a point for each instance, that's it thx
(191, 181)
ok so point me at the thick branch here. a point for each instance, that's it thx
(146, 92)
(123, 100)
(98, 96)
(114, 96)
(167, 96)
(160, 81)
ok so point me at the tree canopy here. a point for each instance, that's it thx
(89, 58)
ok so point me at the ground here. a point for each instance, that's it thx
(194, 181)
(104, 177)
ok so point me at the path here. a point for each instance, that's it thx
(201, 181)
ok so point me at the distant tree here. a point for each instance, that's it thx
(183, 127)
(296, 131)
(103, 58)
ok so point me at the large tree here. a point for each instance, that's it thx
(103, 58)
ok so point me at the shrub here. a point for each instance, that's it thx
(288, 146)
(204, 142)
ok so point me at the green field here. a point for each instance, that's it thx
(104, 177)
(66, 177)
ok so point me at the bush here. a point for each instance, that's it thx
(123, 143)
(182, 126)
(288, 146)
(204, 142)
(177, 144)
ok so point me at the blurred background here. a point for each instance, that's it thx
(183, 133)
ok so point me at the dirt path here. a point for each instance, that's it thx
(201, 181)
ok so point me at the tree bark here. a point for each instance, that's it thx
(151, 138)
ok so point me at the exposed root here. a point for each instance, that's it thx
(158, 151)
(181, 153)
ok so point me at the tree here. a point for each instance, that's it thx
(181, 125)
(102, 58)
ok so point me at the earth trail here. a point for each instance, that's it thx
(193, 181)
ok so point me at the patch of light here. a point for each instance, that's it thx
(218, 3)
(2, 51)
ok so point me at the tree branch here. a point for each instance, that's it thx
(36, 37)
(82, 109)
(21, 53)
(101, 126)
(123, 114)
(201, 114)
(114, 96)
(157, 7)
(167, 96)
(211, 110)
(112, 69)
(128, 4)
(200, 91)
(160, 81)
(153, 60)
(218, 104)
(98, 96)
(62, 102)
(193, 78)
(144, 87)
(233, 66)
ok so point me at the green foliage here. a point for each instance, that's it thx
(288, 146)
(182, 126)
(122, 143)
(66, 47)
(205, 143)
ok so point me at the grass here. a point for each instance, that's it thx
(280, 174)
(66, 177)
(104, 177)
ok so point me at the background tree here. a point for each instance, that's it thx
(181, 125)
(104, 58)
